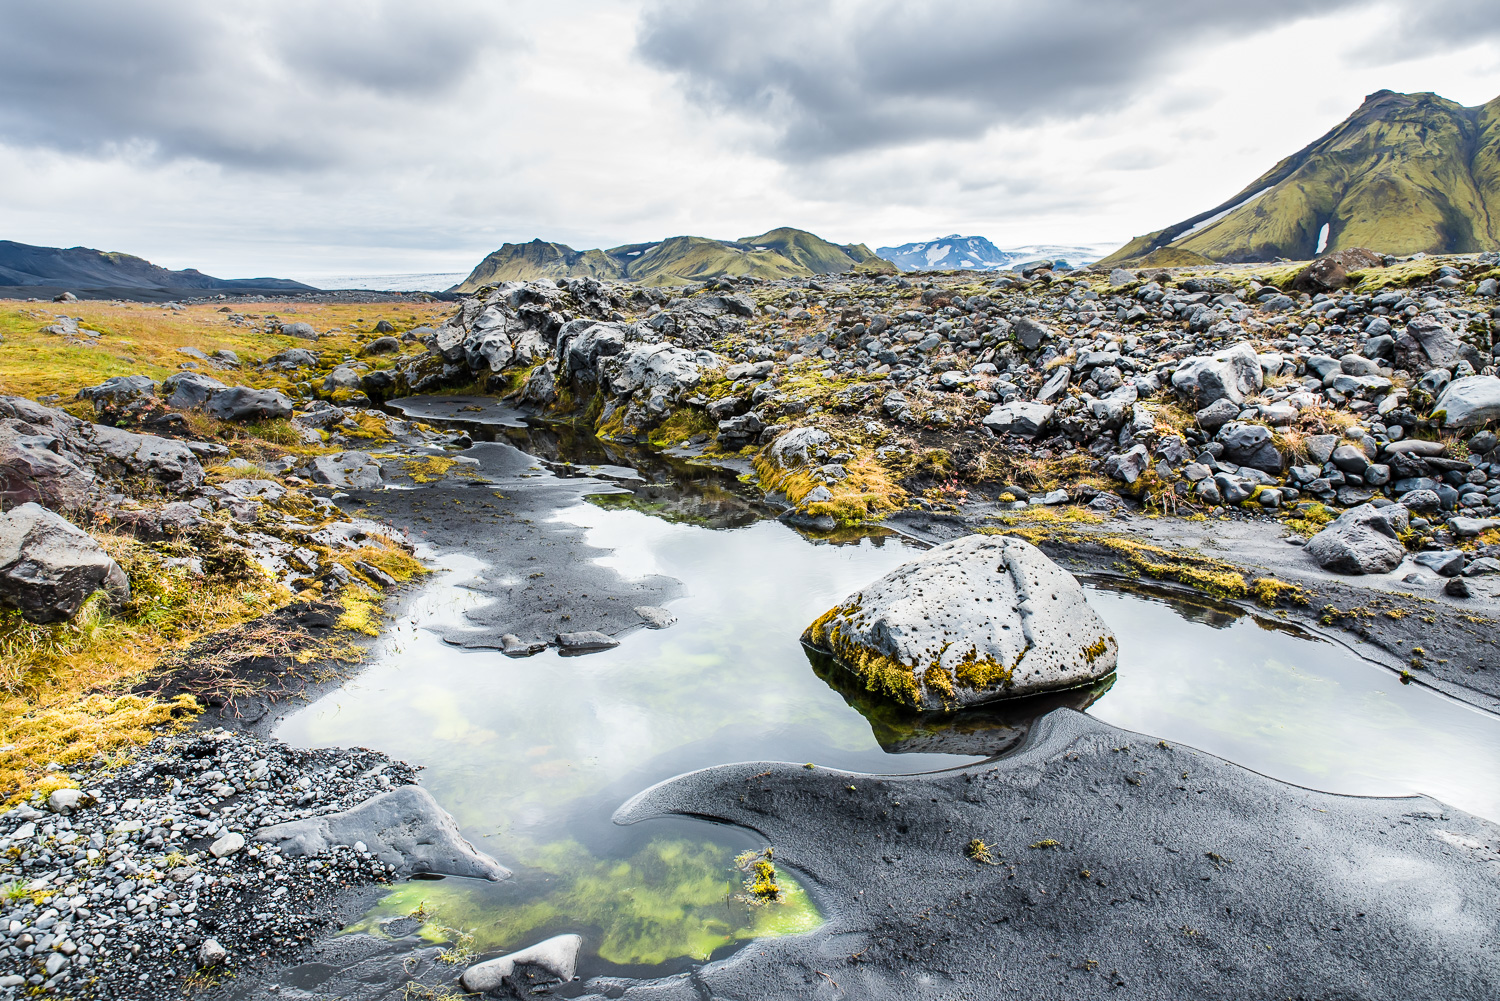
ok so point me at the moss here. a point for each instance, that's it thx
(880, 673)
(1272, 592)
(980, 673)
(680, 426)
(866, 494)
(362, 610)
(429, 470)
(760, 883)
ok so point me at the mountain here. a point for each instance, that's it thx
(953, 253)
(28, 270)
(1404, 173)
(678, 260)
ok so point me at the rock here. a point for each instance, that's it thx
(48, 568)
(384, 327)
(186, 390)
(1413, 446)
(1119, 276)
(513, 646)
(1030, 333)
(1250, 445)
(404, 827)
(1321, 446)
(381, 345)
(65, 297)
(211, 954)
(1231, 374)
(119, 390)
(299, 329)
(292, 358)
(588, 641)
(40, 468)
(1026, 420)
(654, 617)
(1444, 563)
(558, 956)
(227, 845)
(1055, 386)
(1217, 414)
(1331, 271)
(1467, 528)
(64, 801)
(1361, 540)
(974, 620)
(1349, 459)
(1456, 587)
(1469, 401)
(1426, 343)
(1128, 466)
(351, 470)
(245, 404)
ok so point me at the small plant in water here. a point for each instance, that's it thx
(760, 877)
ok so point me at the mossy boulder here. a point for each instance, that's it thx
(974, 620)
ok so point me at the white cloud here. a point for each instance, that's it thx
(282, 139)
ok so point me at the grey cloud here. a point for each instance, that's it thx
(834, 78)
(1420, 28)
(266, 85)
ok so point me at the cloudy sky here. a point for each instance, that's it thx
(296, 138)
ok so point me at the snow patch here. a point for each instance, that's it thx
(1219, 215)
(1322, 239)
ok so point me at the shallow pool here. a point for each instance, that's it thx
(532, 756)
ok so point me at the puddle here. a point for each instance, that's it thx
(532, 756)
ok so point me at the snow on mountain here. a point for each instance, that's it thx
(955, 252)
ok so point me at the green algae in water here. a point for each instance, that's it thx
(673, 898)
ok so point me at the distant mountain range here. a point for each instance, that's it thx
(953, 253)
(36, 271)
(1404, 173)
(678, 260)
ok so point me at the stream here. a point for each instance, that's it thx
(532, 756)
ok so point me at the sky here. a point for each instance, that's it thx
(294, 139)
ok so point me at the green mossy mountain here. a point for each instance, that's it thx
(678, 260)
(1404, 173)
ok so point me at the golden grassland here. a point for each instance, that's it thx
(65, 687)
(143, 338)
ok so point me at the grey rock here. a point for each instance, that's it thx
(1413, 446)
(41, 468)
(211, 954)
(1362, 540)
(1467, 528)
(1130, 465)
(1030, 333)
(587, 641)
(1321, 446)
(227, 845)
(988, 600)
(299, 329)
(1231, 374)
(1470, 401)
(244, 404)
(1456, 587)
(1214, 416)
(1350, 459)
(1119, 276)
(352, 470)
(558, 956)
(1026, 420)
(1426, 342)
(1444, 563)
(119, 390)
(1056, 385)
(186, 390)
(655, 617)
(1250, 445)
(513, 646)
(292, 358)
(404, 827)
(381, 346)
(48, 568)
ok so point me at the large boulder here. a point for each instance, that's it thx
(1331, 271)
(187, 390)
(800, 447)
(1027, 420)
(245, 404)
(404, 828)
(1362, 540)
(48, 568)
(1472, 400)
(975, 620)
(664, 367)
(163, 459)
(1030, 333)
(39, 467)
(1231, 374)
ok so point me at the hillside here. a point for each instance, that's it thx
(955, 252)
(678, 260)
(1404, 173)
(29, 270)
